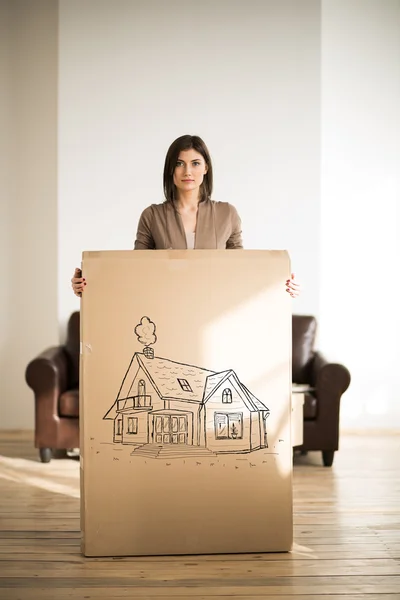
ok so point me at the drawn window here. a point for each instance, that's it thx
(185, 385)
(119, 426)
(174, 424)
(221, 427)
(132, 425)
(227, 396)
(229, 426)
(141, 388)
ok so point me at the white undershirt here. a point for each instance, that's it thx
(190, 239)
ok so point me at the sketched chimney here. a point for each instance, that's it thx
(146, 333)
(148, 352)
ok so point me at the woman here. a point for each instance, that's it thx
(188, 218)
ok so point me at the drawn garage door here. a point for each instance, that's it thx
(170, 429)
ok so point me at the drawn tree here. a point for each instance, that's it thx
(146, 334)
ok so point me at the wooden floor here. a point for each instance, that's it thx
(347, 536)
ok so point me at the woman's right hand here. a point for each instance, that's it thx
(78, 282)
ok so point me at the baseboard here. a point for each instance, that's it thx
(370, 432)
(17, 433)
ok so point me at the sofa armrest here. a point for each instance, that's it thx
(48, 371)
(327, 376)
(47, 376)
(330, 381)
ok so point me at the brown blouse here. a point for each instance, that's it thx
(160, 227)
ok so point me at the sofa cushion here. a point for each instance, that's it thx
(69, 404)
(303, 337)
(310, 407)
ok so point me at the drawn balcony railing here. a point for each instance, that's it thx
(135, 402)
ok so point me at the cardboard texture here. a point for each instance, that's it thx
(185, 403)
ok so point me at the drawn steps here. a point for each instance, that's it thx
(169, 452)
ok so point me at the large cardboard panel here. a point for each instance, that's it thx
(186, 402)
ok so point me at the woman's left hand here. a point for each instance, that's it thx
(292, 287)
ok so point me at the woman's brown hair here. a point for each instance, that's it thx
(187, 142)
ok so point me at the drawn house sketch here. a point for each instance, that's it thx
(162, 403)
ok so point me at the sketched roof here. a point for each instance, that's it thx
(164, 375)
(213, 381)
(257, 403)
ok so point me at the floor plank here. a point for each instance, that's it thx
(346, 531)
(126, 593)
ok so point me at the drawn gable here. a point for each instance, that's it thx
(228, 394)
(142, 393)
(130, 376)
(137, 389)
(232, 417)
(213, 381)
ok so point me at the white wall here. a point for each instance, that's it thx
(28, 229)
(136, 74)
(248, 77)
(360, 226)
(5, 191)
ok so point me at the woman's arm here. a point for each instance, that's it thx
(235, 240)
(144, 239)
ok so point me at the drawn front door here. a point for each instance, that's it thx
(170, 429)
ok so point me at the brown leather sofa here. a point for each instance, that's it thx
(326, 382)
(54, 378)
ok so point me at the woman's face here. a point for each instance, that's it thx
(189, 171)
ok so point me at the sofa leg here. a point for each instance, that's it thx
(327, 457)
(45, 454)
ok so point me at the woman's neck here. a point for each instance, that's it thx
(188, 200)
